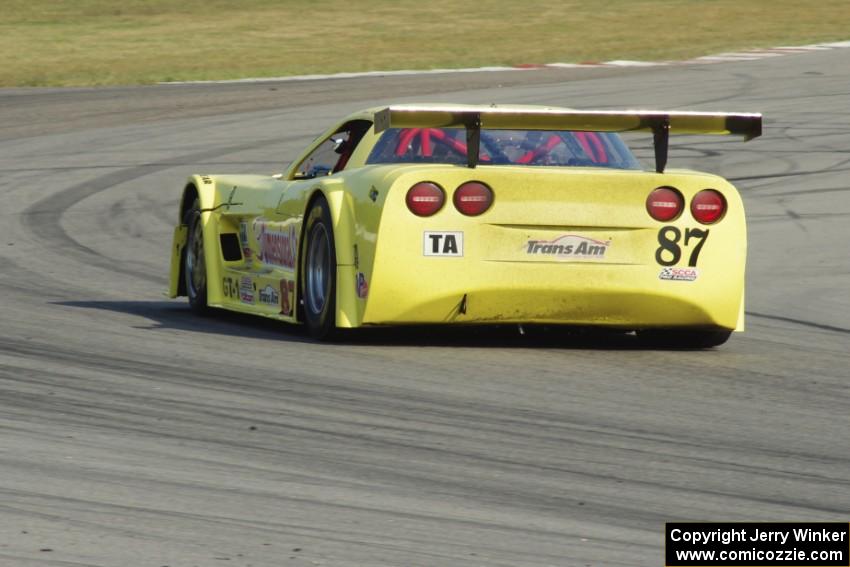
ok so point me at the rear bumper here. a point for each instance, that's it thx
(619, 296)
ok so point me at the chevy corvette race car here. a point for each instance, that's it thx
(454, 214)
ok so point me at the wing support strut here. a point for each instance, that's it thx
(660, 140)
(472, 123)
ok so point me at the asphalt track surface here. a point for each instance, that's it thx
(134, 433)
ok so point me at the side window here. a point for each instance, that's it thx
(332, 154)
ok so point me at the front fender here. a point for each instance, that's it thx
(211, 197)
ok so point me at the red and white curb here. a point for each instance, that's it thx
(747, 55)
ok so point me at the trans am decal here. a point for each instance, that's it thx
(268, 296)
(569, 247)
(277, 245)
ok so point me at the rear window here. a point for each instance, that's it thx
(504, 147)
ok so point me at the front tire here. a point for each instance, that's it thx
(194, 260)
(318, 272)
(683, 338)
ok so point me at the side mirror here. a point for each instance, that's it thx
(315, 171)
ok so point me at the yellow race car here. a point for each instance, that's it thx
(456, 214)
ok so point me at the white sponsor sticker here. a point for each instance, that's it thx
(277, 245)
(442, 244)
(679, 274)
(246, 290)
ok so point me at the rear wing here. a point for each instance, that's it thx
(660, 123)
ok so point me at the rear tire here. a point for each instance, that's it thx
(318, 272)
(683, 338)
(194, 260)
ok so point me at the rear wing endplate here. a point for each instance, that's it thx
(660, 123)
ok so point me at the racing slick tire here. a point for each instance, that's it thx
(318, 272)
(683, 338)
(194, 260)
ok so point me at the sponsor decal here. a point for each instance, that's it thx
(287, 295)
(268, 296)
(568, 247)
(679, 274)
(276, 246)
(442, 244)
(243, 238)
(362, 286)
(246, 290)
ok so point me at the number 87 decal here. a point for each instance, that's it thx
(669, 252)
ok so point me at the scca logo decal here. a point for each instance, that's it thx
(442, 244)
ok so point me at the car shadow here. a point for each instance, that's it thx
(491, 336)
(177, 315)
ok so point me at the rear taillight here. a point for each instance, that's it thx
(473, 198)
(426, 198)
(665, 204)
(708, 206)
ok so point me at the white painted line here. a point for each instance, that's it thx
(349, 75)
(750, 55)
(626, 63)
(571, 65)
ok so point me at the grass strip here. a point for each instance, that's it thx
(108, 42)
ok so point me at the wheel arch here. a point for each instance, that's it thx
(197, 187)
(314, 196)
(190, 193)
(343, 219)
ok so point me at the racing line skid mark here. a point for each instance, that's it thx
(43, 218)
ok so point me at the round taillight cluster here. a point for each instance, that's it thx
(473, 198)
(708, 206)
(665, 204)
(425, 198)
